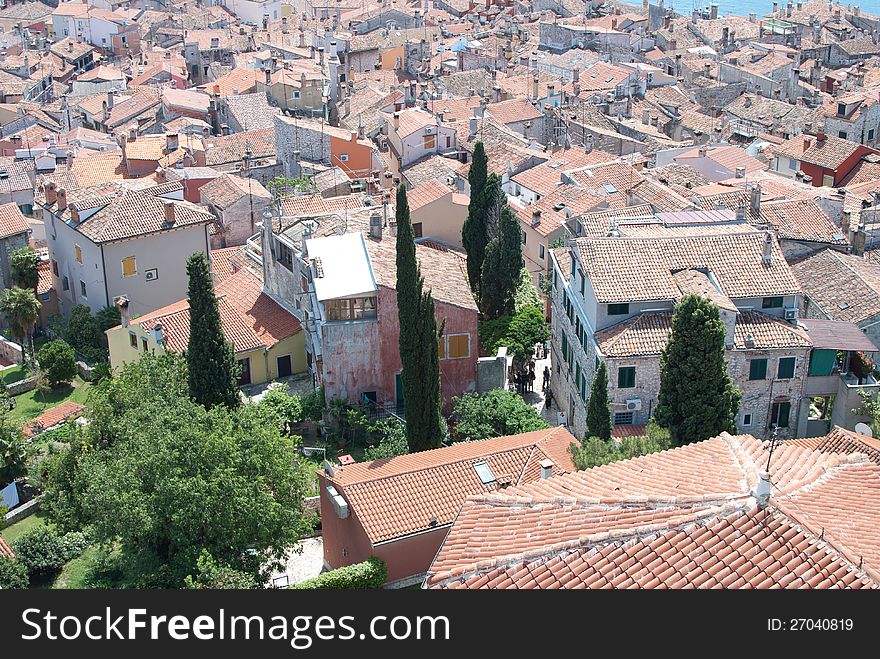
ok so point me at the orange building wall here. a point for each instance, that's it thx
(359, 161)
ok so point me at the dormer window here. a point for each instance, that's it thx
(841, 109)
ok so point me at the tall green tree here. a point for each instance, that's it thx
(13, 451)
(418, 341)
(24, 265)
(22, 308)
(697, 398)
(598, 412)
(502, 266)
(213, 371)
(474, 236)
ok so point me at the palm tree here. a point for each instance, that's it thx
(21, 307)
(25, 267)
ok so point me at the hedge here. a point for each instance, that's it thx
(360, 576)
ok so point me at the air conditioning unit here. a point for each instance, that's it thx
(791, 313)
(633, 404)
(429, 130)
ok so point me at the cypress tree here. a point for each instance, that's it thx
(697, 398)
(210, 359)
(598, 412)
(420, 373)
(473, 232)
(503, 262)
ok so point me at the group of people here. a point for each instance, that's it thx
(524, 380)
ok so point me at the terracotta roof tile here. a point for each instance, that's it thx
(393, 497)
(44, 283)
(226, 189)
(52, 417)
(633, 269)
(12, 222)
(6, 550)
(682, 518)
(844, 286)
(427, 193)
(802, 219)
(250, 318)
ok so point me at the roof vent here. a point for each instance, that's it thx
(546, 468)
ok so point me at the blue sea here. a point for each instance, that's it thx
(759, 7)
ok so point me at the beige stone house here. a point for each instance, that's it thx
(238, 205)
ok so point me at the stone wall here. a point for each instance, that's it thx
(21, 386)
(492, 371)
(10, 350)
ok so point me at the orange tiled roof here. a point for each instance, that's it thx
(802, 219)
(841, 440)
(52, 417)
(12, 222)
(250, 318)
(634, 269)
(682, 518)
(844, 286)
(44, 283)
(394, 497)
(426, 193)
(6, 550)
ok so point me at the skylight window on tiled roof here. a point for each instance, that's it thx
(609, 188)
(484, 472)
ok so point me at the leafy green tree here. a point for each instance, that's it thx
(598, 412)
(277, 406)
(595, 451)
(519, 333)
(496, 413)
(165, 479)
(83, 332)
(212, 575)
(22, 309)
(697, 398)
(526, 295)
(503, 263)
(58, 360)
(24, 266)
(418, 340)
(870, 407)
(13, 451)
(213, 371)
(474, 234)
(13, 574)
(108, 317)
(41, 551)
(392, 440)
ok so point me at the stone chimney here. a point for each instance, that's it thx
(536, 217)
(62, 199)
(858, 241)
(820, 136)
(124, 313)
(473, 127)
(535, 84)
(376, 226)
(767, 255)
(496, 92)
(741, 211)
(50, 190)
(740, 172)
(546, 468)
(132, 134)
(168, 208)
(755, 199)
(845, 222)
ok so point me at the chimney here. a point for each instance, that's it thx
(535, 82)
(354, 136)
(755, 199)
(124, 313)
(845, 220)
(168, 207)
(62, 199)
(767, 256)
(536, 217)
(702, 151)
(496, 89)
(707, 70)
(551, 89)
(546, 468)
(132, 134)
(268, 77)
(171, 142)
(740, 172)
(762, 489)
(820, 136)
(646, 116)
(51, 193)
(473, 127)
(215, 42)
(395, 120)
(858, 241)
(741, 211)
(376, 226)
(321, 55)
(807, 143)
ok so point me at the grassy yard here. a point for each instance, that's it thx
(13, 374)
(13, 531)
(33, 403)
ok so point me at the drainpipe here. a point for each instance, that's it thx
(266, 359)
(104, 268)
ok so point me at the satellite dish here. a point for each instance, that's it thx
(864, 429)
(328, 468)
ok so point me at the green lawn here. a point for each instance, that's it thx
(75, 572)
(13, 531)
(13, 374)
(33, 403)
